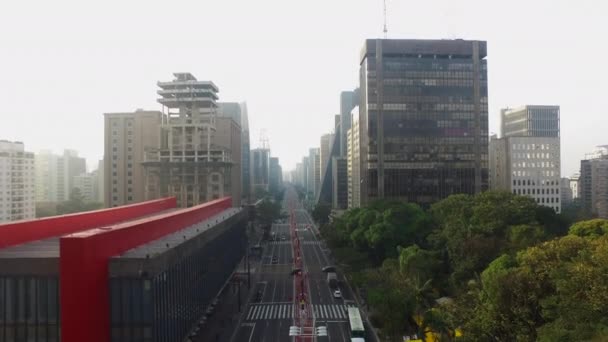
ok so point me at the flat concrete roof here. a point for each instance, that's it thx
(173, 240)
(439, 47)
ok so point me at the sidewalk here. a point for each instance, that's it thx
(225, 320)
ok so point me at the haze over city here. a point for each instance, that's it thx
(69, 62)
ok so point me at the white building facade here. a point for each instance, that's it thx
(17, 182)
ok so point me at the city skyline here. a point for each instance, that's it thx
(74, 73)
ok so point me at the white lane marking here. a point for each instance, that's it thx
(250, 313)
(252, 329)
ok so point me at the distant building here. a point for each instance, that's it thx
(565, 191)
(574, 179)
(340, 183)
(431, 98)
(314, 171)
(260, 169)
(17, 182)
(530, 121)
(593, 182)
(526, 160)
(305, 170)
(86, 183)
(238, 112)
(348, 101)
(127, 136)
(275, 175)
(353, 162)
(55, 174)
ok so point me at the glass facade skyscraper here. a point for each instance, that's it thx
(431, 98)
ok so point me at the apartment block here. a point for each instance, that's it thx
(17, 182)
(127, 136)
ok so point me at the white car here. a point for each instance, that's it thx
(337, 294)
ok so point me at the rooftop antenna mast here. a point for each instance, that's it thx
(264, 143)
(385, 28)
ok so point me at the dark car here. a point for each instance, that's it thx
(275, 260)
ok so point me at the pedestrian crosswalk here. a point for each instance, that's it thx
(285, 311)
(279, 242)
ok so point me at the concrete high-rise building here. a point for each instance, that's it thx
(528, 166)
(565, 191)
(431, 100)
(348, 101)
(325, 152)
(100, 182)
(314, 172)
(238, 111)
(275, 175)
(593, 182)
(55, 174)
(305, 171)
(228, 136)
(127, 136)
(526, 160)
(17, 182)
(530, 121)
(353, 161)
(189, 164)
(73, 165)
(86, 183)
(46, 176)
(574, 179)
(340, 183)
(260, 169)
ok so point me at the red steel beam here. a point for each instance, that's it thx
(19, 232)
(85, 299)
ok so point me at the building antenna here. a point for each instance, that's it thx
(385, 28)
(264, 143)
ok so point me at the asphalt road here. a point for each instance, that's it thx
(268, 317)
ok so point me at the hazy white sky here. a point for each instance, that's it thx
(64, 63)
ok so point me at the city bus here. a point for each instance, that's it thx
(357, 331)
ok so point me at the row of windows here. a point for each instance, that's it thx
(533, 155)
(532, 182)
(544, 173)
(534, 165)
(528, 147)
(534, 191)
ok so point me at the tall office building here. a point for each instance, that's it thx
(565, 191)
(423, 120)
(246, 152)
(339, 169)
(526, 160)
(593, 182)
(127, 136)
(260, 169)
(353, 162)
(17, 182)
(46, 176)
(189, 164)
(228, 136)
(275, 175)
(238, 112)
(314, 172)
(348, 101)
(574, 181)
(55, 174)
(305, 171)
(530, 121)
(86, 183)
